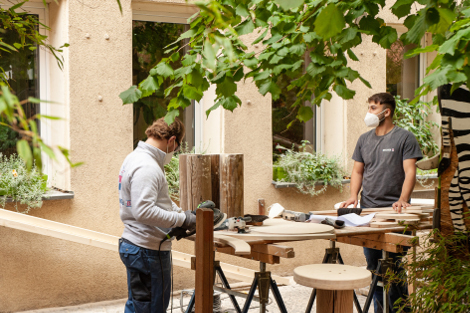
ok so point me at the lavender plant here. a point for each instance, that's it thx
(19, 184)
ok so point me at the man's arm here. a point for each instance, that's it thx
(409, 166)
(355, 185)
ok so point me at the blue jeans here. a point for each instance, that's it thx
(148, 280)
(397, 290)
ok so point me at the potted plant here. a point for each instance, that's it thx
(19, 184)
(308, 170)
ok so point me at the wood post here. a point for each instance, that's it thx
(204, 291)
(334, 301)
(231, 184)
(261, 207)
(195, 180)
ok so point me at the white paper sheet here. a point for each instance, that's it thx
(351, 219)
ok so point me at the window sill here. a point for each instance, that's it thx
(54, 195)
(279, 185)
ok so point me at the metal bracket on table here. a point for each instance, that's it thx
(332, 256)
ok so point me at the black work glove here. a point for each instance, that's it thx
(190, 221)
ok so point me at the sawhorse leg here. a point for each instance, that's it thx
(264, 281)
(384, 264)
(332, 256)
(217, 270)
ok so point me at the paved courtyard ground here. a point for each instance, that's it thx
(295, 297)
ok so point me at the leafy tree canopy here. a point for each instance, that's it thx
(326, 31)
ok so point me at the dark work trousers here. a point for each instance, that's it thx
(149, 287)
(397, 290)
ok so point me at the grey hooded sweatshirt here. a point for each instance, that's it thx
(146, 209)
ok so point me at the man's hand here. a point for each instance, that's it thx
(397, 206)
(190, 221)
(348, 202)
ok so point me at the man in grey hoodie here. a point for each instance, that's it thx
(148, 214)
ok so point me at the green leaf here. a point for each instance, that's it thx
(55, 118)
(344, 92)
(289, 4)
(209, 55)
(314, 69)
(352, 56)
(192, 93)
(305, 113)
(148, 86)
(195, 78)
(164, 69)
(242, 10)
(8, 46)
(188, 34)
(170, 116)
(250, 62)
(446, 17)
(230, 103)
(416, 51)
(388, 36)
(402, 8)
(131, 95)
(365, 82)
(18, 45)
(246, 27)
(418, 30)
(46, 149)
(227, 88)
(329, 22)
(24, 151)
(212, 108)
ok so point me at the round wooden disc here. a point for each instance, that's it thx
(295, 228)
(276, 221)
(332, 276)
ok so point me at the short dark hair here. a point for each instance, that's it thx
(384, 98)
(161, 130)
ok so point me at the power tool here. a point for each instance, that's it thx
(180, 232)
(238, 223)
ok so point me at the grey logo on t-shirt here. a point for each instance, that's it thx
(388, 150)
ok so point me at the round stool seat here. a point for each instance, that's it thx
(332, 276)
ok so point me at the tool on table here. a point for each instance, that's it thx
(295, 216)
(180, 232)
(238, 224)
(333, 222)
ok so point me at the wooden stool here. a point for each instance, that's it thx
(334, 284)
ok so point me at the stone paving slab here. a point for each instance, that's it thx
(295, 298)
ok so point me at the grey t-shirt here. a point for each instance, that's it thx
(383, 158)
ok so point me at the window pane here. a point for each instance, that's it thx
(148, 45)
(283, 114)
(402, 75)
(21, 72)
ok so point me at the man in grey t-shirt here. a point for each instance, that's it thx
(385, 166)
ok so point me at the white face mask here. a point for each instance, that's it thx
(373, 120)
(168, 156)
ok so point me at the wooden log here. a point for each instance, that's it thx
(334, 301)
(231, 185)
(195, 180)
(393, 238)
(255, 256)
(204, 291)
(215, 179)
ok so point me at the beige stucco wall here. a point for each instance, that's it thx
(39, 272)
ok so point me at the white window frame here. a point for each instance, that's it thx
(177, 14)
(44, 109)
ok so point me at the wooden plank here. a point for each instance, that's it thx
(204, 291)
(239, 246)
(400, 239)
(62, 231)
(195, 180)
(383, 224)
(354, 231)
(255, 256)
(370, 244)
(215, 179)
(281, 251)
(365, 211)
(271, 238)
(231, 184)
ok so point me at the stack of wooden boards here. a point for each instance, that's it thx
(387, 217)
